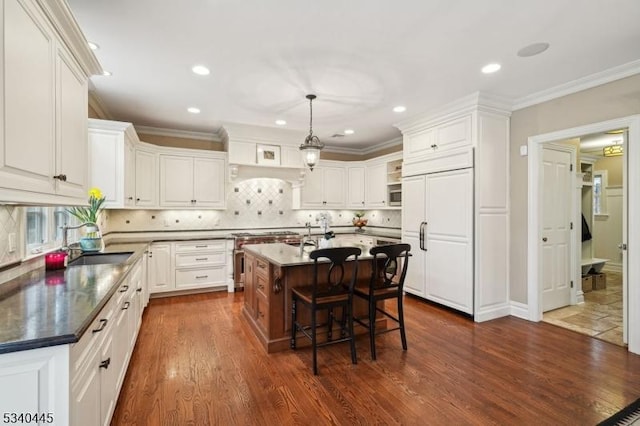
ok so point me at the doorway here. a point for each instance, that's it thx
(631, 289)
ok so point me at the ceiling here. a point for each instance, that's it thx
(360, 57)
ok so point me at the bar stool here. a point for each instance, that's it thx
(336, 291)
(389, 269)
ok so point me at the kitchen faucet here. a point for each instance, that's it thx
(307, 240)
(65, 229)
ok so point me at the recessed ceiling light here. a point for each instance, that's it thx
(193, 110)
(399, 108)
(93, 46)
(490, 68)
(533, 49)
(200, 70)
(349, 131)
(106, 73)
(281, 122)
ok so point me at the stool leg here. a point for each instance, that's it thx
(372, 326)
(313, 340)
(294, 324)
(330, 322)
(348, 309)
(403, 336)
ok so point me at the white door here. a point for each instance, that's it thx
(334, 187)
(556, 233)
(355, 190)
(623, 243)
(208, 182)
(413, 216)
(146, 179)
(448, 239)
(176, 180)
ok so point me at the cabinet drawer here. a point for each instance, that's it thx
(262, 285)
(207, 258)
(262, 268)
(83, 350)
(202, 277)
(208, 245)
(262, 312)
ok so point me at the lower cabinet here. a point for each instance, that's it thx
(99, 361)
(188, 265)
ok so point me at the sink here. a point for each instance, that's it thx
(100, 259)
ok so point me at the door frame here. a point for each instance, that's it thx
(573, 249)
(632, 153)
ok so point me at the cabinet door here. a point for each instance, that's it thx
(416, 281)
(355, 187)
(146, 179)
(85, 400)
(108, 380)
(454, 134)
(27, 159)
(312, 195)
(417, 144)
(449, 239)
(129, 174)
(413, 198)
(71, 124)
(160, 276)
(334, 187)
(176, 180)
(208, 182)
(376, 188)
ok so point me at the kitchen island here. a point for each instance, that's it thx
(271, 271)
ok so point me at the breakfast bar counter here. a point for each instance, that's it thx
(271, 271)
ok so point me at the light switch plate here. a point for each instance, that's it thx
(523, 150)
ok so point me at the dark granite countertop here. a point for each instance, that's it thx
(46, 308)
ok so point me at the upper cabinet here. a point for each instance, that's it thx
(146, 178)
(324, 187)
(43, 82)
(193, 180)
(112, 161)
(383, 188)
(356, 187)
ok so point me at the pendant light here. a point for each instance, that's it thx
(312, 146)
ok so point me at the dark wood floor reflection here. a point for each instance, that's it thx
(197, 362)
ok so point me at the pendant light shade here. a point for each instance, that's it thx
(312, 146)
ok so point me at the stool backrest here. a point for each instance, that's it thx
(390, 264)
(336, 281)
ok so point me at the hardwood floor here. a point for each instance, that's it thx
(197, 362)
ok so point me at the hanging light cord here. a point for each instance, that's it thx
(310, 118)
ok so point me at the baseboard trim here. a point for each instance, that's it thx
(520, 310)
(493, 313)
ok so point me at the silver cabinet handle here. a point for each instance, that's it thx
(422, 227)
(201, 276)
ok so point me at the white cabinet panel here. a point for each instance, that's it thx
(192, 182)
(242, 153)
(160, 267)
(415, 281)
(356, 187)
(334, 187)
(146, 171)
(376, 187)
(208, 182)
(291, 156)
(313, 190)
(413, 199)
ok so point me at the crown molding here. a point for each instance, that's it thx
(98, 106)
(477, 101)
(216, 136)
(118, 126)
(67, 27)
(364, 151)
(593, 80)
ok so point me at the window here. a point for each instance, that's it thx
(43, 228)
(599, 192)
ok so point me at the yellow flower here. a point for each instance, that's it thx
(95, 193)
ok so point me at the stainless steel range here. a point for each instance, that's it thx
(243, 238)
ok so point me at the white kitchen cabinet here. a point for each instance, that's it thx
(325, 187)
(146, 171)
(189, 181)
(44, 110)
(160, 268)
(290, 156)
(458, 228)
(356, 187)
(376, 188)
(112, 161)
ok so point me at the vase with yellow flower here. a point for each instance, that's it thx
(88, 216)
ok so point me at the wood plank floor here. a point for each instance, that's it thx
(196, 362)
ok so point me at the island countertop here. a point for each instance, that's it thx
(46, 308)
(286, 255)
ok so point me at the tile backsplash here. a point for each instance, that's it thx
(10, 223)
(253, 203)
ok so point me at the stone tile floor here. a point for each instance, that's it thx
(600, 315)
